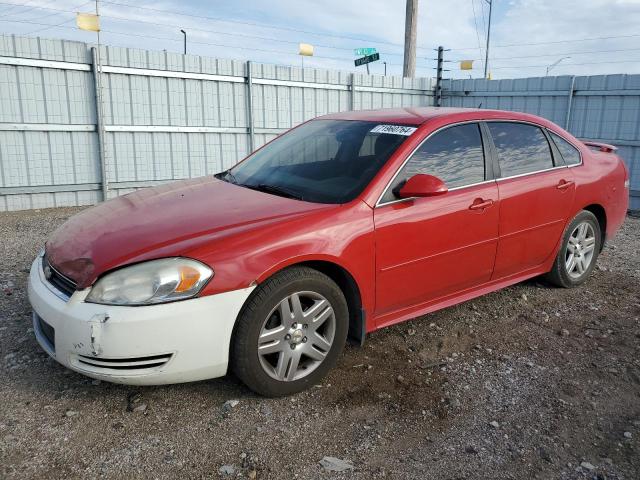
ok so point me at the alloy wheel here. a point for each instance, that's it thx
(296, 336)
(580, 250)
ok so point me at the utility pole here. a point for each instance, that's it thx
(100, 113)
(410, 34)
(385, 68)
(486, 50)
(185, 41)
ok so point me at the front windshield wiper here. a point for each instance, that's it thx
(226, 176)
(275, 189)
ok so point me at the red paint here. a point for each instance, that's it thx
(533, 214)
(422, 185)
(408, 258)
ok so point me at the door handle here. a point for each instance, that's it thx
(480, 204)
(564, 184)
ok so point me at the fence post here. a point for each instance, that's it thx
(250, 107)
(439, 70)
(97, 82)
(352, 91)
(569, 104)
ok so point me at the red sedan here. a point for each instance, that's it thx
(345, 224)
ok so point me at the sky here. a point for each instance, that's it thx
(527, 36)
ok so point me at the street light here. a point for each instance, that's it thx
(185, 40)
(486, 50)
(554, 64)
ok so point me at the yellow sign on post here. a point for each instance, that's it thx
(88, 21)
(305, 50)
(466, 64)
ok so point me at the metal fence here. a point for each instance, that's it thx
(167, 116)
(604, 108)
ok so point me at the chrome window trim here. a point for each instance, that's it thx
(531, 173)
(492, 120)
(548, 131)
(444, 127)
(544, 131)
(570, 143)
(449, 190)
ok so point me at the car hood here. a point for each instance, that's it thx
(160, 222)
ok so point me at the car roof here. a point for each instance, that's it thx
(420, 115)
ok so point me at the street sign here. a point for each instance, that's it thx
(364, 51)
(367, 59)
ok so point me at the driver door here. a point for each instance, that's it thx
(433, 247)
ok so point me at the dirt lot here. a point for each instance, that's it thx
(529, 382)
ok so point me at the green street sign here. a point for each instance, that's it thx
(367, 59)
(364, 51)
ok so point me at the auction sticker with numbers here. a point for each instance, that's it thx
(394, 129)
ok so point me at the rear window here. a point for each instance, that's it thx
(569, 153)
(521, 148)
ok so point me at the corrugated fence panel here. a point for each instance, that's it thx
(169, 116)
(605, 108)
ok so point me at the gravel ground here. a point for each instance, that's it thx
(529, 382)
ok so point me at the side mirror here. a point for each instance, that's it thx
(422, 185)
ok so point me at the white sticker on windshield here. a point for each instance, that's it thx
(394, 129)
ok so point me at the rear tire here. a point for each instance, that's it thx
(578, 251)
(290, 332)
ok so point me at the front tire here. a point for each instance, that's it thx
(290, 332)
(578, 252)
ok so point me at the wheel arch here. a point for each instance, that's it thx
(601, 215)
(344, 279)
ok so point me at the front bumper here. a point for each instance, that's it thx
(148, 345)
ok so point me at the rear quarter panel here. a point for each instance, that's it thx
(600, 180)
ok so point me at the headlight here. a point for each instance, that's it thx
(155, 281)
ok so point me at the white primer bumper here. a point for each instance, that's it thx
(148, 345)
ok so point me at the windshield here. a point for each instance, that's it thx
(323, 161)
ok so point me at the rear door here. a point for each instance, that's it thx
(536, 195)
(429, 248)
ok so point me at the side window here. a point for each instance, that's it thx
(455, 155)
(521, 148)
(570, 153)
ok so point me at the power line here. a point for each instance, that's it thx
(555, 54)
(282, 52)
(554, 42)
(222, 20)
(218, 19)
(568, 64)
(347, 59)
(37, 30)
(233, 34)
(255, 24)
(484, 20)
(19, 5)
(32, 19)
(475, 21)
